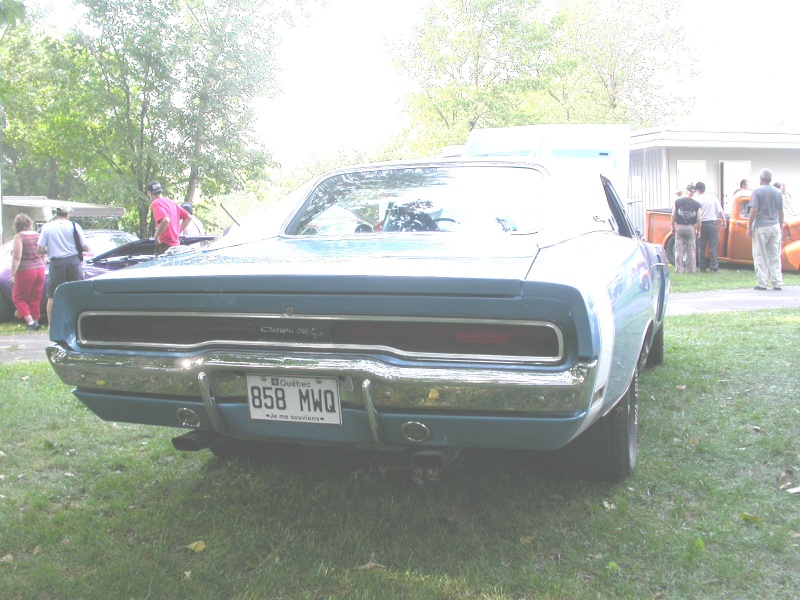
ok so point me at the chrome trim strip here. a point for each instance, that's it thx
(211, 403)
(166, 376)
(328, 347)
(372, 414)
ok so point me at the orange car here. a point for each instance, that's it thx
(734, 244)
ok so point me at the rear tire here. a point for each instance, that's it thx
(669, 247)
(607, 450)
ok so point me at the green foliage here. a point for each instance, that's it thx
(12, 13)
(33, 84)
(143, 90)
(608, 61)
(494, 63)
(465, 58)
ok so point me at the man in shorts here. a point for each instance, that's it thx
(62, 241)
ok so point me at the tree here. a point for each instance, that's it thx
(491, 63)
(12, 13)
(464, 58)
(30, 89)
(610, 60)
(185, 84)
(231, 63)
(151, 89)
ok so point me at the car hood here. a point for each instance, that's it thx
(267, 262)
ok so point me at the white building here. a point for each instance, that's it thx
(663, 161)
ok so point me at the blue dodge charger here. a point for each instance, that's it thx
(418, 307)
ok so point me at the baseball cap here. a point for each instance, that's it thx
(153, 187)
(63, 209)
(691, 188)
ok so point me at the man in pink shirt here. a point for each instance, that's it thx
(170, 218)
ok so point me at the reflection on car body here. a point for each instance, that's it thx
(515, 314)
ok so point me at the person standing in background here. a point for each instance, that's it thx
(686, 227)
(788, 208)
(766, 230)
(27, 272)
(170, 218)
(195, 226)
(63, 241)
(710, 213)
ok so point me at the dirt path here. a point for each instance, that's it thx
(22, 347)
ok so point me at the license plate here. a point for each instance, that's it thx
(294, 399)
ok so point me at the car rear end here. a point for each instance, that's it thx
(369, 361)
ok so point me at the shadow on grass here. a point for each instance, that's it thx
(401, 468)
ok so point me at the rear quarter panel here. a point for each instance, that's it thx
(620, 281)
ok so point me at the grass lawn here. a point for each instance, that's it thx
(729, 277)
(90, 509)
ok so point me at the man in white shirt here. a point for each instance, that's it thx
(710, 214)
(63, 242)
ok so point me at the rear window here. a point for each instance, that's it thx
(479, 198)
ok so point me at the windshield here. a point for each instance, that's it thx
(481, 198)
(101, 242)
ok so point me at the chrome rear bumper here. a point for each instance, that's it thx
(363, 380)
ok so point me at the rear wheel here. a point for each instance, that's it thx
(670, 248)
(607, 450)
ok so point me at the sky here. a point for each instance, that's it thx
(341, 91)
(746, 55)
(340, 87)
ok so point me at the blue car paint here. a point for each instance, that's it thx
(611, 291)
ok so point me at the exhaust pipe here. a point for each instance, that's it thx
(434, 458)
(193, 441)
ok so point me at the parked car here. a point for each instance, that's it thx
(523, 325)
(136, 252)
(735, 246)
(111, 250)
(100, 241)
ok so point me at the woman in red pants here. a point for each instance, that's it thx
(27, 272)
